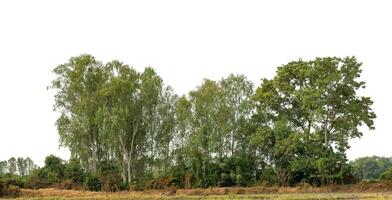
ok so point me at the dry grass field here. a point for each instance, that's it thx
(49, 194)
(358, 191)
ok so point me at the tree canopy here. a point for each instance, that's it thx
(293, 128)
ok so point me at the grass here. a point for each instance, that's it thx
(55, 194)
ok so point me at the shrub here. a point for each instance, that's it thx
(110, 183)
(161, 183)
(68, 184)
(34, 182)
(92, 182)
(73, 171)
(2, 188)
(39, 178)
(12, 191)
(387, 175)
(7, 189)
(268, 176)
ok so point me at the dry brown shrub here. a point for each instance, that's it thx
(219, 191)
(12, 191)
(68, 184)
(171, 191)
(191, 192)
(240, 191)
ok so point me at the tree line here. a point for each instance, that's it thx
(293, 128)
(17, 166)
(372, 168)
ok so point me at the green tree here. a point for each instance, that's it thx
(319, 103)
(237, 105)
(79, 84)
(30, 165)
(370, 167)
(205, 141)
(3, 167)
(74, 171)
(55, 167)
(21, 164)
(133, 115)
(12, 166)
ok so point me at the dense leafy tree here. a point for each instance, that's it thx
(3, 167)
(74, 171)
(387, 175)
(370, 167)
(12, 166)
(317, 105)
(123, 124)
(79, 84)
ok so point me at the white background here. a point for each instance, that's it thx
(185, 41)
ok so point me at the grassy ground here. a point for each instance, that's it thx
(156, 194)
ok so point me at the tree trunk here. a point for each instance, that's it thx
(129, 170)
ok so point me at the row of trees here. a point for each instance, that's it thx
(17, 166)
(292, 129)
(14, 173)
(71, 175)
(370, 168)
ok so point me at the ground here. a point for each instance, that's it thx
(358, 191)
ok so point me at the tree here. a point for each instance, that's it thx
(79, 84)
(123, 124)
(205, 141)
(30, 165)
(12, 166)
(319, 102)
(3, 167)
(132, 114)
(74, 171)
(21, 164)
(370, 167)
(184, 129)
(237, 102)
(55, 167)
(160, 133)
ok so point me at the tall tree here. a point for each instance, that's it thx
(3, 167)
(30, 165)
(319, 101)
(12, 166)
(184, 128)
(21, 164)
(237, 102)
(79, 84)
(133, 100)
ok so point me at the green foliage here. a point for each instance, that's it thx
(126, 128)
(9, 188)
(305, 116)
(386, 175)
(109, 177)
(370, 167)
(74, 171)
(92, 182)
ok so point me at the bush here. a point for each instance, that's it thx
(39, 179)
(7, 189)
(73, 171)
(34, 182)
(2, 188)
(16, 181)
(92, 182)
(111, 183)
(12, 191)
(387, 175)
(68, 184)
(109, 177)
(161, 183)
(268, 177)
